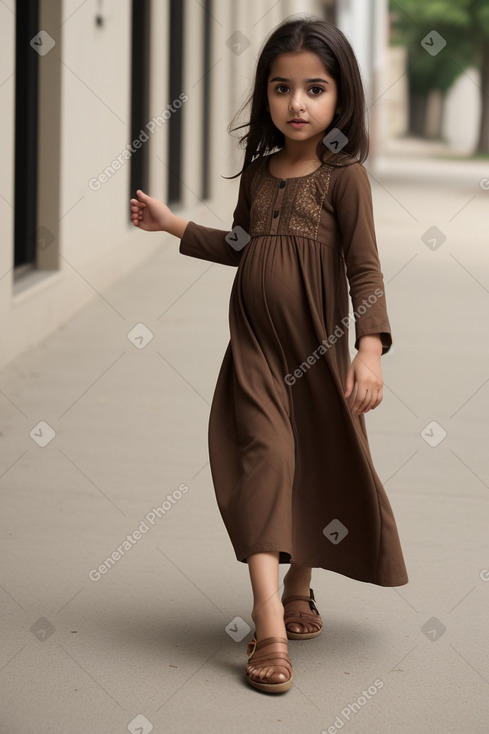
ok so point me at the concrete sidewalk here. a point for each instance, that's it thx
(104, 450)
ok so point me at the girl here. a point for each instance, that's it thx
(290, 459)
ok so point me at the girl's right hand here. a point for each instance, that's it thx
(150, 214)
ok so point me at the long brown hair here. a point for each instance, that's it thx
(335, 52)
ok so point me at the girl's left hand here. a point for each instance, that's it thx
(366, 372)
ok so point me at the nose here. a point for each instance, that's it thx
(296, 102)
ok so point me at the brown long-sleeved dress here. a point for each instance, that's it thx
(291, 465)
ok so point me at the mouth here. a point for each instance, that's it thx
(297, 123)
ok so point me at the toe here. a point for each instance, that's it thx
(294, 627)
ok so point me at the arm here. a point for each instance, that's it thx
(366, 372)
(371, 343)
(152, 215)
(196, 240)
(352, 200)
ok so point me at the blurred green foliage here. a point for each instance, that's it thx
(464, 24)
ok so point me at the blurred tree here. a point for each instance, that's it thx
(464, 25)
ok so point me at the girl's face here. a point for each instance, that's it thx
(300, 89)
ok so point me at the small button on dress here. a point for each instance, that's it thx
(290, 463)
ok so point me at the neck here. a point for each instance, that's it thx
(296, 150)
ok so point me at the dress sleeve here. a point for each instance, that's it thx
(352, 200)
(208, 243)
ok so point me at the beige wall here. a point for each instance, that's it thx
(96, 243)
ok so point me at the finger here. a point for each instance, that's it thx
(137, 206)
(361, 402)
(368, 404)
(377, 398)
(349, 384)
(375, 401)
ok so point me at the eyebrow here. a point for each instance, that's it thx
(283, 79)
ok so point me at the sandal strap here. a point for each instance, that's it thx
(310, 599)
(271, 660)
(268, 641)
(302, 615)
(255, 647)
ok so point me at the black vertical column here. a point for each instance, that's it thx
(140, 71)
(206, 91)
(175, 89)
(26, 132)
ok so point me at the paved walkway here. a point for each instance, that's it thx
(104, 454)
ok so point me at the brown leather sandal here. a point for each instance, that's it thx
(259, 658)
(303, 618)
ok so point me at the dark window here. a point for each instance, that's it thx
(140, 69)
(26, 129)
(206, 63)
(175, 42)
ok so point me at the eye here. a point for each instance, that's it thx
(280, 88)
(316, 91)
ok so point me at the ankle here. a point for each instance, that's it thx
(269, 609)
(269, 623)
(297, 586)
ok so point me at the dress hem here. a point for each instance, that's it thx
(396, 581)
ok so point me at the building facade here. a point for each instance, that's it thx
(102, 97)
